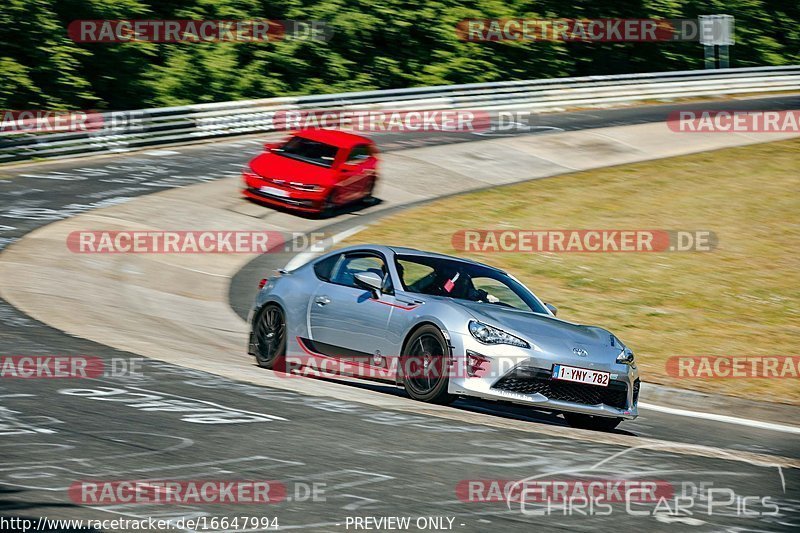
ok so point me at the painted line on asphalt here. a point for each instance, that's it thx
(721, 418)
(596, 437)
(50, 176)
(157, 153)
(199, 271)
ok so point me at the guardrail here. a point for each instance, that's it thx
(183, 124)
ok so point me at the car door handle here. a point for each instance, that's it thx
(322, 300)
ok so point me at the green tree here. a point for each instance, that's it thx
(375, 45)
(41, 67)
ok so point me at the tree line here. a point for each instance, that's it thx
(378, 44)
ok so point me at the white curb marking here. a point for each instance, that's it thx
(721, 418)
(304, 257)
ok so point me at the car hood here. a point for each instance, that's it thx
(278, 167)
(548, 333)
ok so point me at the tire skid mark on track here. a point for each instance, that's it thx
(627, 441)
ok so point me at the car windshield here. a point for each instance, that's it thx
(438, 276)
(309, 151)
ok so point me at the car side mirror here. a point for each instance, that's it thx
(369, 281)
(553, 309)
(348, 167)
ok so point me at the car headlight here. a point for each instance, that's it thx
(625, 357)
(491, 335)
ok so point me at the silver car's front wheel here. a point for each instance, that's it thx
(425, 364)
(270, 337)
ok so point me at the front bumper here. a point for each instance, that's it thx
(522, 376)
(306, 201)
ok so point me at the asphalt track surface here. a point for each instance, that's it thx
(168, 422)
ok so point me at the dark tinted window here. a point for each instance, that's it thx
(358, 154)
(309, 151)
(438, 276)
(356, 263)
(324, 268)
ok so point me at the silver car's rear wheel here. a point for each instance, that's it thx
(425, 364)
(270, 337)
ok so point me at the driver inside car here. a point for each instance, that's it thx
(461, 286)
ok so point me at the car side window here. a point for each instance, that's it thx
(358, 154)
(324, 268)
(415, 276)
(352, 264)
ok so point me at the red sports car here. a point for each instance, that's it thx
(315, 171)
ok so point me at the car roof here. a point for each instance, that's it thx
(338, 138)
(402, 250)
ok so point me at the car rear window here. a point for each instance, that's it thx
(313, 152)
(324, 267)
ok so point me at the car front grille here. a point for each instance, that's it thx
(533, 382)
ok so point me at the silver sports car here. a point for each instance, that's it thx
(442, 327)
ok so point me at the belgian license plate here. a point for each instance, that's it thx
(274, 192)
(581, 375)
